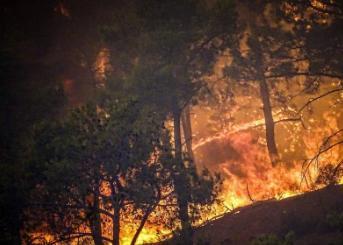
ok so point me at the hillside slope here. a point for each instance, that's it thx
(306, 215)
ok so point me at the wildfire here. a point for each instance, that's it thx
(248, 174)
(239, 153)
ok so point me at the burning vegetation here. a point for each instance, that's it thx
(131, 122)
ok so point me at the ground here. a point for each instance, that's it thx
(308, 216)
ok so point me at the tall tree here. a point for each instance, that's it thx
(271, 49)
(174, 49)
(319, 25)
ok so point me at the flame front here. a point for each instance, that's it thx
(241, 157)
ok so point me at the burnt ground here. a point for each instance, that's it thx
(307, 216)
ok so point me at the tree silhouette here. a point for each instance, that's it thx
(98, 165)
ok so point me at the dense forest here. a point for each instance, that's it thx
(143, 121)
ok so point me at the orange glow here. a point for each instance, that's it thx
(247, 171)
(102, 67)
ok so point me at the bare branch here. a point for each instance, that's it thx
(322, 149)
(291, 120)
(319, 97)
(295, 74)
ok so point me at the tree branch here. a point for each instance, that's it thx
(319, 97)
(321, 151)
(291, 120)
(294, 74)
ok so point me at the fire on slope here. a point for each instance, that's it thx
(240, 154)
(241, 157)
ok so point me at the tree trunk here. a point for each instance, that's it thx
(141, 225)
(269, 121)
(177, 136)
(95, 223)
(181, 182)
(187, 130)
(116, 226)
(95, 219)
